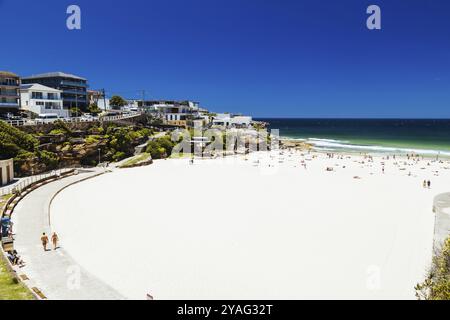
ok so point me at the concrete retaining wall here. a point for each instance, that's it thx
(441, 208)
(6, 171)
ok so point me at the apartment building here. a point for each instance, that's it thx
(74, 88)
(9, 92)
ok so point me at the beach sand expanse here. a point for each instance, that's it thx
(260, 226)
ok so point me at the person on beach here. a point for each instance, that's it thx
(55, 240)
(44, 240)
(15, 259)
(424, 184)
(429, 184)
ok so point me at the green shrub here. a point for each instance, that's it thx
(57, 131)
(437, 284)
(92, 139)
(119, 156)
(50, 159)
(13, 141)
(160, 148)
(62, 127)
(94, 109)
(96, 130)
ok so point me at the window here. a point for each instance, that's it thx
(36, 95)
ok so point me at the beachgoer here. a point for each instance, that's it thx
(55, 240)
(424, 183)
(15, 259)
(18, 259)
(429, 184)
(11, 258)
(44, 240)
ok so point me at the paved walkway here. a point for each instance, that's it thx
(54, 273)
(442, 226)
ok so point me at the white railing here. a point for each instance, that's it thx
(19, 123)
(25, 182)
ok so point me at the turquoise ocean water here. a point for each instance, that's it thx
(422, 136)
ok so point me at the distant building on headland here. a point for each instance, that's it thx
(177, 113)
(190, 114)
(40, 99)
(229, 120)
(9, 92)
(6, 171)
(74, 88)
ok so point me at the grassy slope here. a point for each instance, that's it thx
(9, 290)
(135, 160)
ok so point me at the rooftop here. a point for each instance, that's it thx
(37, 86)
(8, 74)
(54, 74)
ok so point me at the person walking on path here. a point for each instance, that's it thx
(44, 240)
(55, 240)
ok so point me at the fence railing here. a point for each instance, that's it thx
(19, 123)
(23, 183)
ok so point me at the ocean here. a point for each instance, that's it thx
(422, 136)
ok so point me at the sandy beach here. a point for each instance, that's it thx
(260, 226)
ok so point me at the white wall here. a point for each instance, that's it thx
(27, 103)
(223, 116)
(241, 120)
(6, 165)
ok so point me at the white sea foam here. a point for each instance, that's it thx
(330, 144)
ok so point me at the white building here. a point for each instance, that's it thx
(6, 171)
(241, 120)
(222, 119)
(40, 99)
(228, 120)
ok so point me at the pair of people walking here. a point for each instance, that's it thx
(44, 240)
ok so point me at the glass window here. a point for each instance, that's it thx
(36, 95)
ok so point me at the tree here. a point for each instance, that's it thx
(75, 112)
(117, 102)
(94, 109)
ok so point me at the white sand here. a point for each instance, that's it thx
(235, 230)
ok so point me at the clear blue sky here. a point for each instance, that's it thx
(281, 58)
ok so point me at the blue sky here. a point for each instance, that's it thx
(272, 58)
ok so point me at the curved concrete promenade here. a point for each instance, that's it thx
(54, 273)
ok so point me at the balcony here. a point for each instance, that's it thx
(73, 83)
(9, 94)
(75, 100)
(83, 93)
(9, 104)
(46, 98)
(8, 84)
